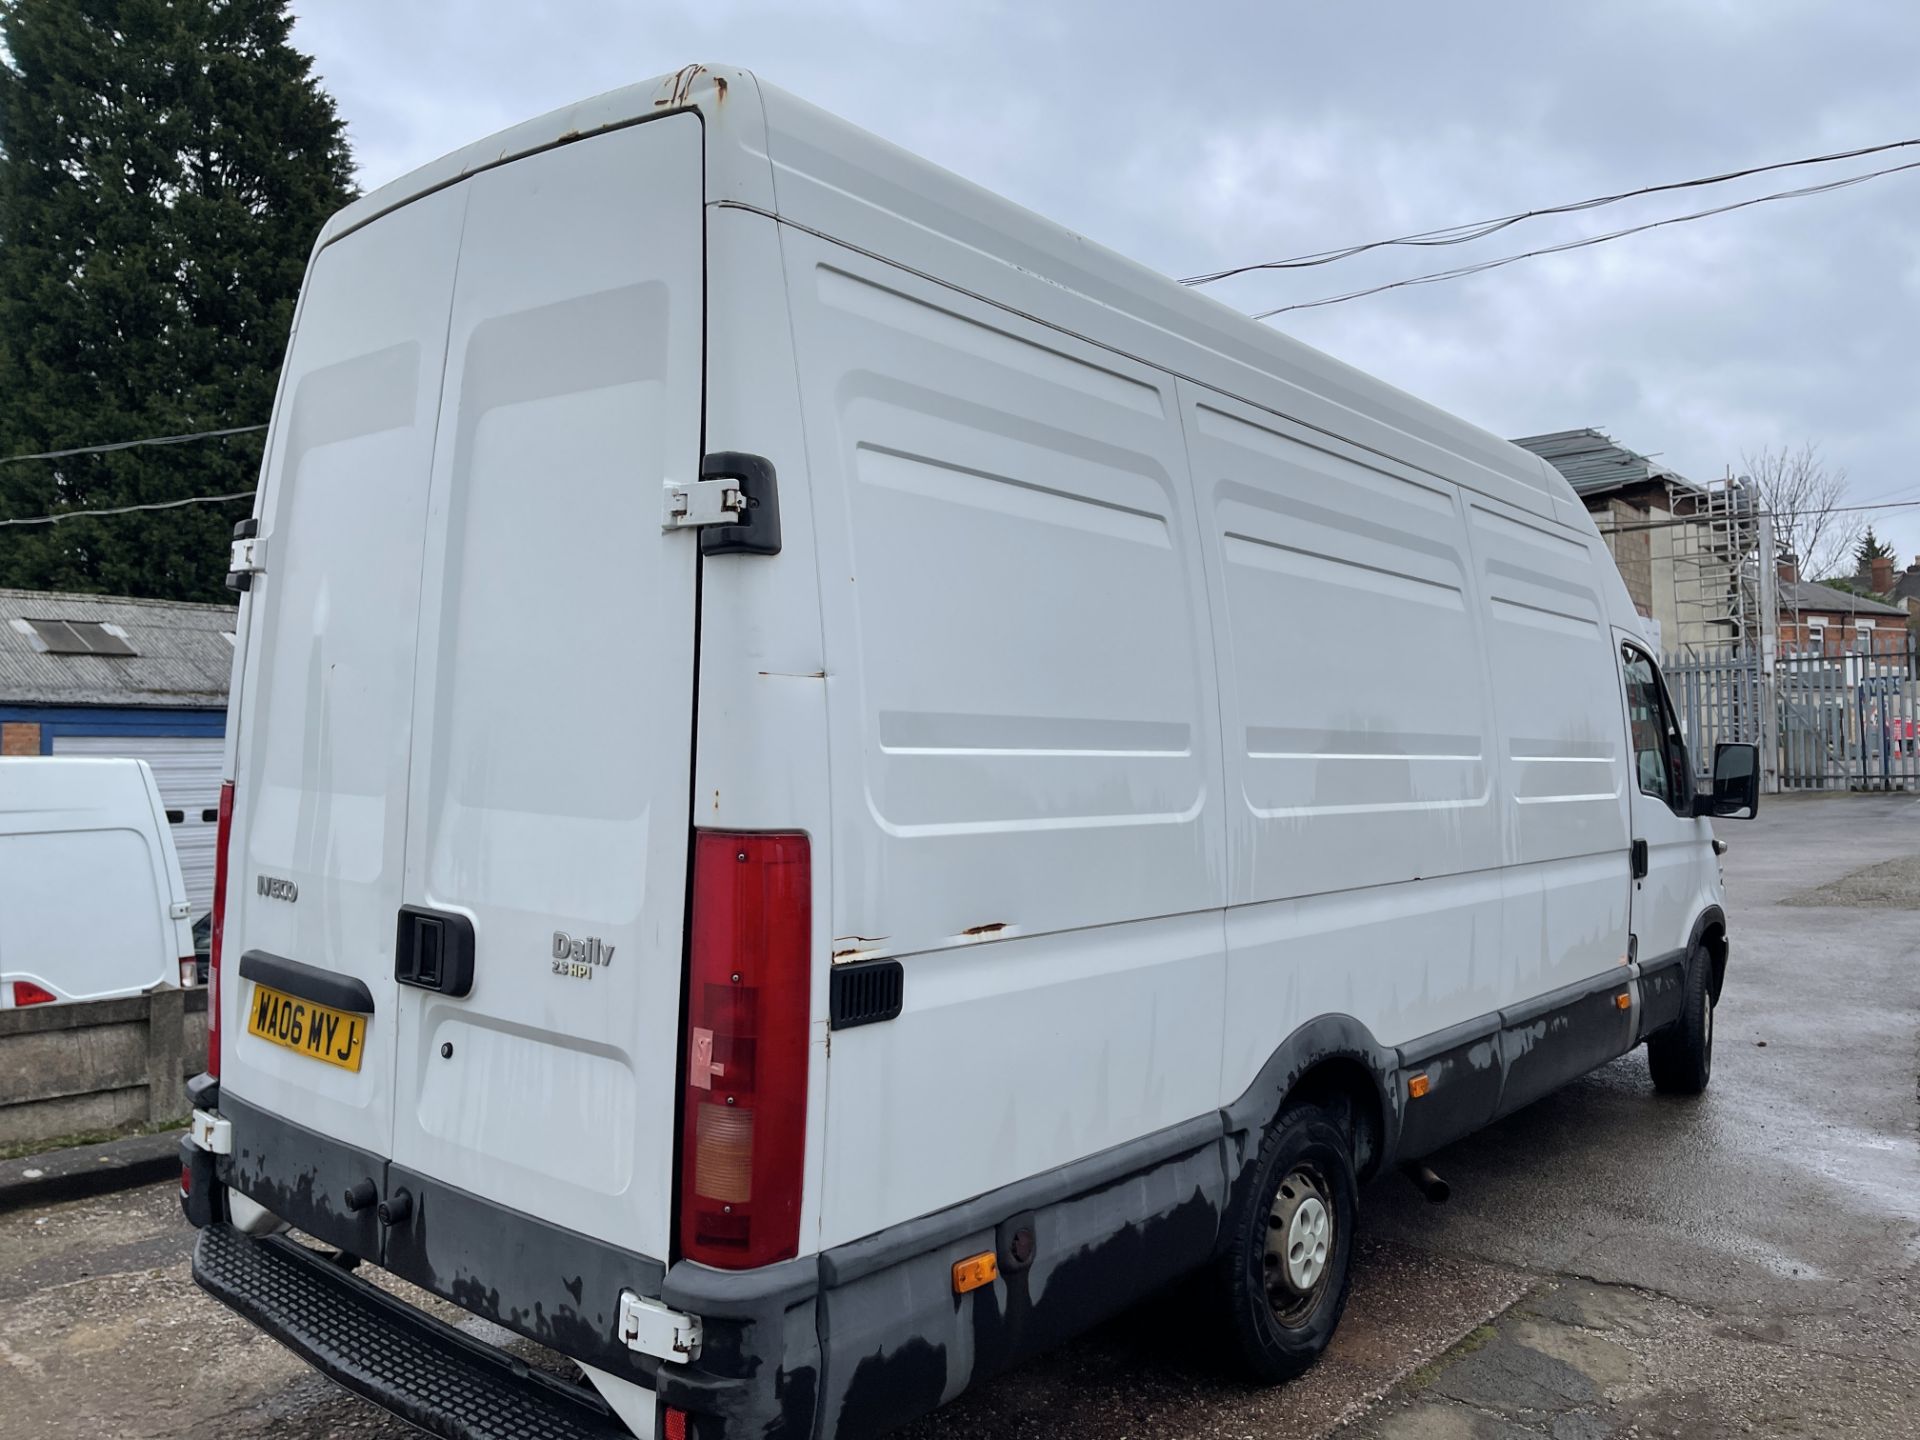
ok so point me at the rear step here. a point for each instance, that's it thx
(384, 1350)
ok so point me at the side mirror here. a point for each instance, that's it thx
(1736, 783)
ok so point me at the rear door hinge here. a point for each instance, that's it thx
(249, 555)
(697, 503)
(652, 1329)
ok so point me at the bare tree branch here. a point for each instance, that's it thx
(1804, 494)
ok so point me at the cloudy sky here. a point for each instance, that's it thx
(1194, 136)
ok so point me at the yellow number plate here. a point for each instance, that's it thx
(335, 1036)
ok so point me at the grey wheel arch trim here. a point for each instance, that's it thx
(1713, 917)
(1319, 1040)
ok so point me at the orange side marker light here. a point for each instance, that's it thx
(975, 1271)
(1623, 1002)
(1418, 1086)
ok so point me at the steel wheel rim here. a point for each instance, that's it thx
(1301, 1236)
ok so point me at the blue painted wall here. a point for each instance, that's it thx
(113, 720)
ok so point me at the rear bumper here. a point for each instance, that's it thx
(422, 1370)
(846, 1343)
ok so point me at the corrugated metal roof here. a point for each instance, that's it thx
(1593, 463)
(182, 654)
(1799, 595)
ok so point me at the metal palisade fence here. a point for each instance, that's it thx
(1824, 721)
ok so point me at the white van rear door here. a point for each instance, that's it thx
(553, 709)
(322, 745)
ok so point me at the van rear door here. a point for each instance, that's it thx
(469, 687)
(552, 711)
(326, 701)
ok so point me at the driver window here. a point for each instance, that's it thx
(1659, 754)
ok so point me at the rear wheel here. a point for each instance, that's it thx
(1282, 1281)
(1680, 1057)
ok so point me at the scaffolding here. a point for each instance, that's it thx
(1718, 571)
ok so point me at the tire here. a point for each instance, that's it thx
(1281, 1281)
(1680, 1057)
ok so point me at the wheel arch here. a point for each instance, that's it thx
(1332, 1060)
(1710, 934)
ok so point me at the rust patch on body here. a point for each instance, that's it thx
(681, 85)
(976, 932)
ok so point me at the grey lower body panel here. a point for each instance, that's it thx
(552, 1285)
(862, 1337)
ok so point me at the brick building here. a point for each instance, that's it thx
(1630, 497)
(1821, 620)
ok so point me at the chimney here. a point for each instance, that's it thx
(1789, 566)
(1882, 574)
(1915, 566)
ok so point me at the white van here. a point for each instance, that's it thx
(831, 783)
(91, 901)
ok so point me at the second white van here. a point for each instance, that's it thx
(830, 783)
(92, 905)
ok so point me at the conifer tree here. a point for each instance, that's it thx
(164, 168)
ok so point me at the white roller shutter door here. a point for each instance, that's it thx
(187, 770)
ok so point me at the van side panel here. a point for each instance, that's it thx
(1563, 777)
(1363, 828)
(1024, 740)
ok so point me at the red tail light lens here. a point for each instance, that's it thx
(25, 992)
(743, 1133)
(219, 924)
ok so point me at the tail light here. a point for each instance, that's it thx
(743, 1135)
(219, 925)
(25, 992)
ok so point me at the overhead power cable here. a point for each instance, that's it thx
(129, 509)
(1477, 229)
(1459, 271)
(132, 444)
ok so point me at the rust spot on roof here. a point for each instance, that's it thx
(719, 89)
(681, 85)
(977, 932)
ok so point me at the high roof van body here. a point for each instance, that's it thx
(830, 782)
(92, 905)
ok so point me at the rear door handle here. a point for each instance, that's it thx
(1639, 859)
(434, 950)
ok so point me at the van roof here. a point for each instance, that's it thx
(38, 787)
(771, 152)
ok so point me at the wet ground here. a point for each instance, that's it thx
(1612, 1264)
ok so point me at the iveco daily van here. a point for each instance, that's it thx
(830, 783)
(92, 905)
